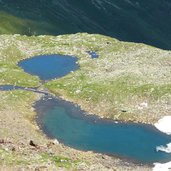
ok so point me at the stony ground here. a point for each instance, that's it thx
(127, 82)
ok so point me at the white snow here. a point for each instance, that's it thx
(166, 149)
(164, 125)
(162, 167)
(55, 141)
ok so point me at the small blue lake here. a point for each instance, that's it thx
(72, 127)
(48, 67)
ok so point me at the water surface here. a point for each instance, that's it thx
(93, 54)
(12, 87)
(48, 67)
(72, 127)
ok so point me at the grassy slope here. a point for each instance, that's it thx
(128, 20)
(126, 81)
(11, 24)
(16, 131)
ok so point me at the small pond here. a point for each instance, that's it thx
(93, 54)
(49, 67)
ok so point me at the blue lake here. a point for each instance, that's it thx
(48, 67)
(72, 127)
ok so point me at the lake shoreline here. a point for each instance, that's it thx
(127, 161)
(46, 95)
(123, 160)
(89, 118)
(110, 158)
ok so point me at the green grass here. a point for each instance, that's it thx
(11, 54)
(120, 90)
(133, 21)
(124, 76)
(12, 158)
(155, 92)
(10, 73)
(116, 85)
(19, 100)
(60, 161)
(11, 24)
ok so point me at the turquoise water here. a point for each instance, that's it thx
(72, 127)
(48, 67)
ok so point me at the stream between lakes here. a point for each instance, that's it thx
(71, 126)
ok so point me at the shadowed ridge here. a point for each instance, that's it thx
(127, 20)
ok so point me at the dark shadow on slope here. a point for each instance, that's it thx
(142, 21)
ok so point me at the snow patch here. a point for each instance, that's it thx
(164, 125)
(55, 141)
(162, 167)
(166, 149)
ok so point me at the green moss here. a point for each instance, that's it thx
(152, 91)
(60, 161)
(11, 158)
(10, 73)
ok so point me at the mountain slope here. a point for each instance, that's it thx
(128, 81)
(129, 20)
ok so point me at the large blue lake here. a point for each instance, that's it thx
(72, 127)
(48, 67)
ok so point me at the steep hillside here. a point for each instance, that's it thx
(128, 20)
